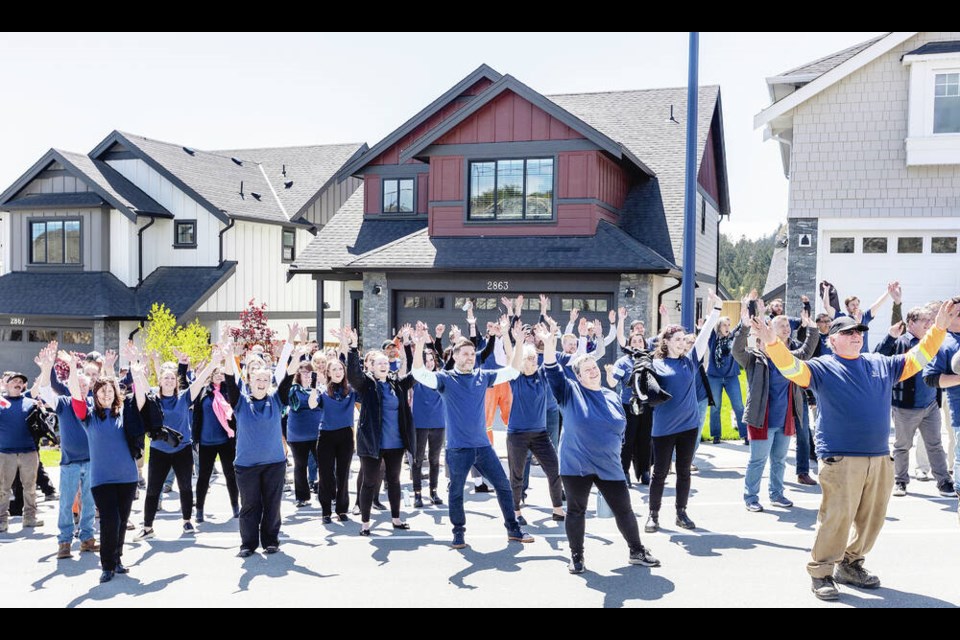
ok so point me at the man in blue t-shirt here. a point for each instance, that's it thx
(940, 374)
(464, 391)
(853, 390)
(18, 451)
(853, 310)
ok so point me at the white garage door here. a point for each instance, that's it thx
(861, 263)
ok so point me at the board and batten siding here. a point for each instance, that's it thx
(123, 243)
(706, 241)
(56, 184)
(261, 274)
(330, 201)
(5, 217)
(94, 236)
(158, 239)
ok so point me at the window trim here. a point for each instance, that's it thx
(383, 193)
(852, 239)
(176, 235)
(923, 146)
(523, 220)
(933, 117)
(283, 245)
(54, 265)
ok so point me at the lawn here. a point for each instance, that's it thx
(727, 430)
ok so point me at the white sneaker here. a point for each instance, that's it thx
(923, 476)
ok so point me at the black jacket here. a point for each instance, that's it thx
(370, 427)
(229, 390)
(903, 392)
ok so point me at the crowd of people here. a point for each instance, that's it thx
(809, 377)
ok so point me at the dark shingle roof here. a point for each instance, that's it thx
(609, 249)
(114, 184)
(348, 236)
(822, 65)
(639, 120)
(308, 168)
(100, 294)
(943, 46)
(54, 200)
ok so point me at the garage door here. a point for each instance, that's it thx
(927, 265)
(436, 307)
(20, 345)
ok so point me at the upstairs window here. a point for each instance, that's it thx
(55, 242)
(185, 234)
(511, 190)
(398, 195)
(946, 103)
(288, 248)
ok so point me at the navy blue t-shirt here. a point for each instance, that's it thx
(74, 445)
(390, 419)
(338, 411)
(14, 435)
(428, 412)
(528, 412)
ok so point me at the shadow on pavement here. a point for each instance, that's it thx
(629, 583)
(277, 565)
(884, 598)
(504, 560)
(154, 547)
(81, 564)
(710, 544)
(799, 517)
(123, 585)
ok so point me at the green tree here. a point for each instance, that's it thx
(163, 335)
(744, 263)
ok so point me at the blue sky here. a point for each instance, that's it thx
(229, 91)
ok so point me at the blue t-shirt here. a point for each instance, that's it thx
(551, 399)
(564, 360)
(825, 349)
(74, 446)
(259, 436)
(854, 401)
(528, 411)
(622, 370)
(428, 412)
(110, 459)
(14, 435)
(593, 426)
(176, 416)
(211, 432)
(464, 395)
(678, 377)
(390, 419)
(721, 365)
(338, 411)
(778, 402)
(303, 423)
(941, 364)
(394, 366)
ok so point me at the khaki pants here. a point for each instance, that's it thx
(27, 464)
(856, 492)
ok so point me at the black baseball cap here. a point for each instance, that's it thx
(387, 343)
(17, 374)
(846, 323)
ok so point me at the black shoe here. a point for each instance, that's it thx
(435, 499)
(403, 526)
(342, 517)
(522, 521)
(199, 517)
(379, 506)
(272, 549)
(365, 532)
(245, 553)
(684, 521)
(716, 440)
(559, 517)
(643, 558)
(946, 489)
(418, 502)
(563, 495)
(106, 576)
(653, 523)
(326, 519)
(855, 575)
(121, 570)
(825, 588)
(481, 488)
(645, 478)
(576, 565)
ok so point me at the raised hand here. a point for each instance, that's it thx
(542, 333)
(552, 325)
(455, 333)
(574, 313)
(110, 360)
(806, 320)
(507, 303)
(544, 303)
(895, 291)
(612, 316)
(713, 300)
(622, 313)
(896, 330)
(745, 310)
(420, 335)
(582, 327)
(516, 331)
(764, 330)
(181, 357)
(948, 312)
(663, 310)
(304, 335)
(439, 330)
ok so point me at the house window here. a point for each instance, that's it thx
(943, 245)
(41, 335)
(398, 195)
(946, 103)
(55, 242)
(511, 190)
(479, 304)
(77, 336)
(289, 245)
(185, 234)
(598, 305)
(11, 335)
(909, 245)
(423, 302)
(874, 245)
(841, 245)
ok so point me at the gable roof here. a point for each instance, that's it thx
(310, 169)
(481, 72)
(111, 187)
(509, 83)
(934, 48)
(820, 66)
(859, 59)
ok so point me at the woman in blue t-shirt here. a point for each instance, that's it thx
(676, 422)
(300, 392)
(176, 405)
(113, 470)
(335, 442)
(214, 428)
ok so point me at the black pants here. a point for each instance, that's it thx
(538, 443)
(334, 454)
(616, 494)
(114, 502)
(433, 437)
(393, 461)
(376, 493)
(301, 457)
(685, 444)
(261, 488)
(637, 442)
(159, 467)
(208, 455)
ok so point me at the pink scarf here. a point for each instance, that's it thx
(223, 410)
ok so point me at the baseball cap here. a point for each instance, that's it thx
(17, 374)
(845, 323)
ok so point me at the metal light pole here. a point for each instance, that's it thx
(688, 307)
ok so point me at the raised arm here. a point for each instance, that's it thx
(616, 329)
(621, 334)
(703, 337)
(792, 368)
(896, 293)
(284, 360)
(926, 349)
(827, 309)
(216, 359)
(879, 303)
(140, 384)
(419, 372)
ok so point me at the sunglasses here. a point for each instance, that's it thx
(850, 332)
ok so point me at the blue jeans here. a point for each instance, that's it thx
(702, 407)
(803, 443)
(956, 461)
(459, 462)
(775, 448)
(731, 385)
(76, 477)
